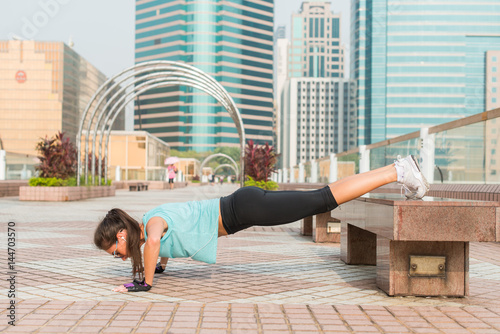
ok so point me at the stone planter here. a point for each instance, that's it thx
(63, 194)
(11, 187)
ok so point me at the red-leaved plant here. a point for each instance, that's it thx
(259, 161)
(57, 157)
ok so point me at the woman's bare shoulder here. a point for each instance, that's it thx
(155, 221)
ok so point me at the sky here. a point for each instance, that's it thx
(103, 30)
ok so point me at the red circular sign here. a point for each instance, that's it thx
(21, 76)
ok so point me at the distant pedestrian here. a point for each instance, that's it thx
(191, 229)
(171, 170)
(221, 180)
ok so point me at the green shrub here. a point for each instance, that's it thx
(56, 182)
(266, 185)
(47, 182)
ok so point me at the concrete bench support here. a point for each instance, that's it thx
(306, 226)
(322, 227)
(138, 186)
(420, 248)
(393, 267)
(325, 228)
(357, 246)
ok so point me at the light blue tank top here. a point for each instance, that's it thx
(192, 229)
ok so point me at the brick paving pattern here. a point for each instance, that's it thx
(266, 280)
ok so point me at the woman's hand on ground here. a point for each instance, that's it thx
(120, 288)
(135, 286)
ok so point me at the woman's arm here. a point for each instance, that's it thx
(154, 229)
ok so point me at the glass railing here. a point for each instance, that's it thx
(462, 151)
(381, 156)
(347, 163)
(459, 154)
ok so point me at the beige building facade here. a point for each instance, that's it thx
(492, 80)
(316, 48)
(44, 88)
(134, 155)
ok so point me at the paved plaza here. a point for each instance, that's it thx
(266, 280)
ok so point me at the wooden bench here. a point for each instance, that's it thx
(420, 247)
(138, 186)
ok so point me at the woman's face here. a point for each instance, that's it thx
(119, 249)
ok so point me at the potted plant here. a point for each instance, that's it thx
(260, 162)
(56, 174)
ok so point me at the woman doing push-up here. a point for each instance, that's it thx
(190, 229)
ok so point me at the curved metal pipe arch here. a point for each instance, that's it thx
(149, 85)
(118, 110)
(179, 74)
(210, 157)
(224, 166)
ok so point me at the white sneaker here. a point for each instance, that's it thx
(412, 180)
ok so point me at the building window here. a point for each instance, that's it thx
(494, 79)
(494, 69)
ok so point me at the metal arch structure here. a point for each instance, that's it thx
(210, 157)
(226, 165)
(112, 97)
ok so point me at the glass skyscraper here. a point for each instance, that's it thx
(419, 63)
(232, 40)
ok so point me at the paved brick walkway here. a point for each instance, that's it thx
(266, 280)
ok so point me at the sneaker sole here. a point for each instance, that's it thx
(419, 174)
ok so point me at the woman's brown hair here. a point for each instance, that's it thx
(105, 236)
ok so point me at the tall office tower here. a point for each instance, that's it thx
(230, 40)
(45, 88)
(279, 39)
(419, 63)
(316, 49)
(281, 71)
(320, 119)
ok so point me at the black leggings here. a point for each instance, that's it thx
(252, 206)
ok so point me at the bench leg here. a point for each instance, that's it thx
(357, 246)
(306, 225)
(393, 268)
(320, 231)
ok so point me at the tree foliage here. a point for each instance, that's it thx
(57, 157)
